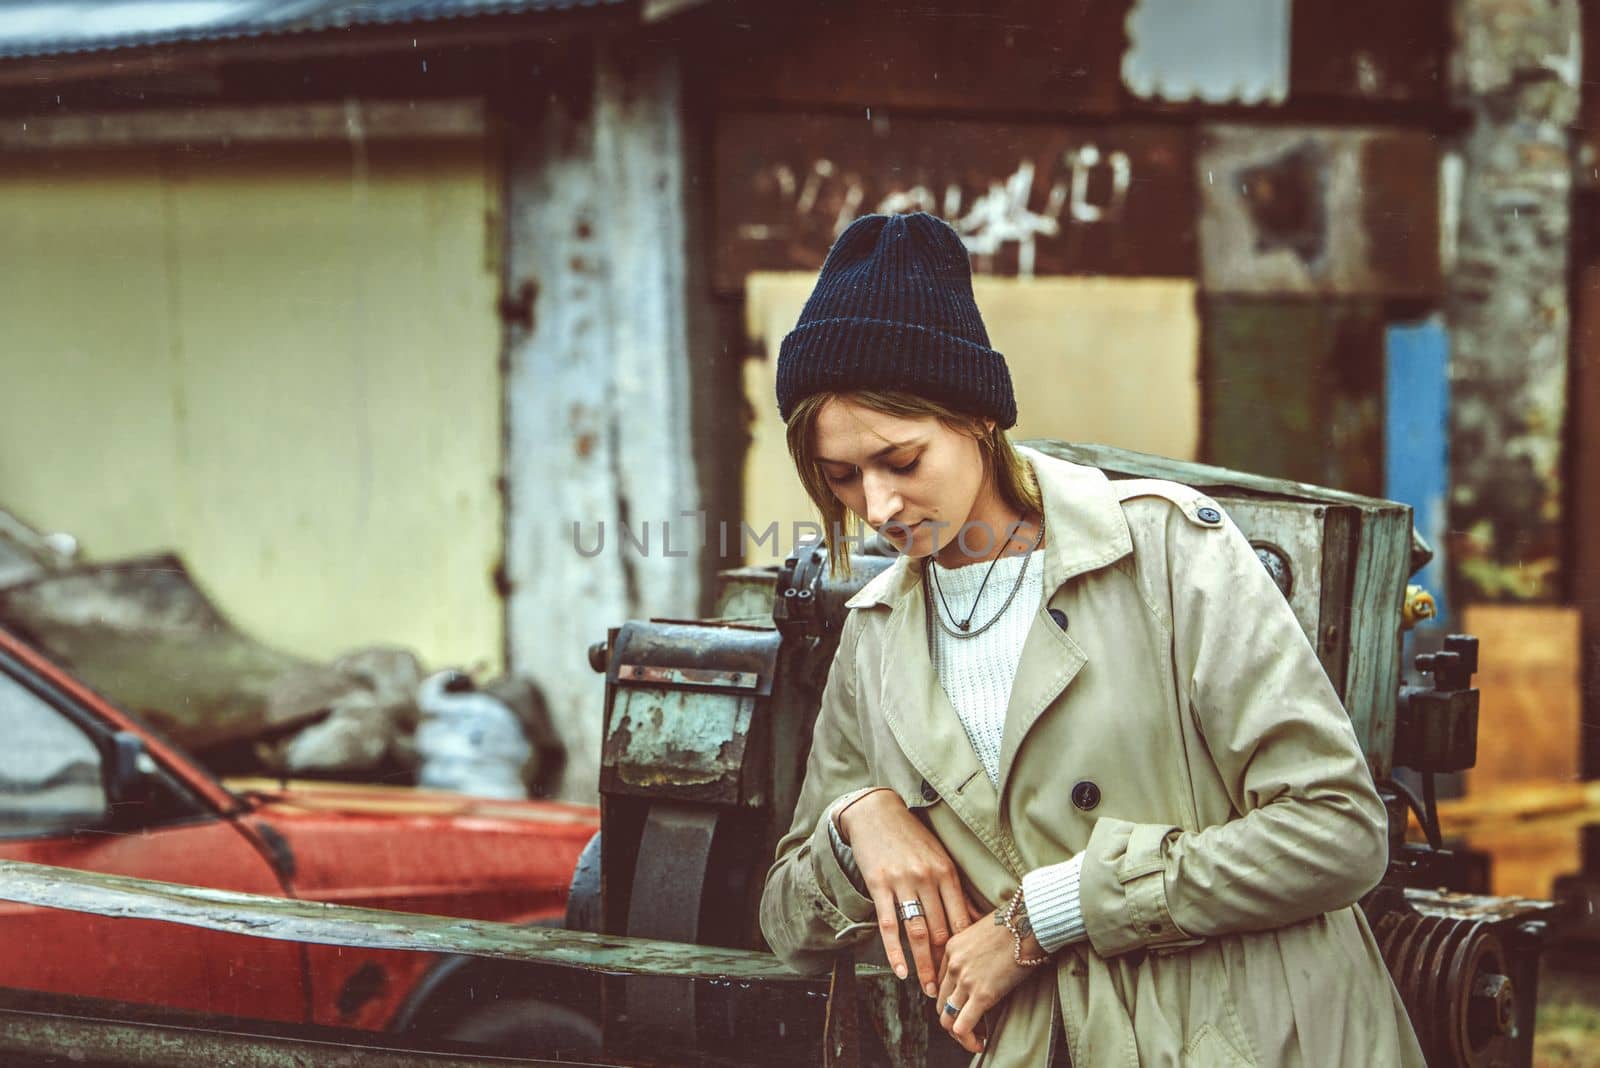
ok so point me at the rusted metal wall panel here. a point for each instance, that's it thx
(1369, 50)
(1011, 56)
(1028, 200)
(1294, 389)
(1318, 210)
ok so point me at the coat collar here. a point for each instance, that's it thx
(1083, 520)
(1086, 531)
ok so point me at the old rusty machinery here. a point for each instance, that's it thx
(708, 722)
(1466, 966)
(1454, 974)
(707, 726)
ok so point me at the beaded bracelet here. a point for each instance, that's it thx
(1018, 930)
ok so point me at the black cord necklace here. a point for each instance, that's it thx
(964, 627)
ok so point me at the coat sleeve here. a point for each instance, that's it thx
(1308, 834)
(810, 910)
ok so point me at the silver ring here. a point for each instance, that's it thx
(952, 1009)
(910, 910)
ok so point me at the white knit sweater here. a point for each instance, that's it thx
(976, 673)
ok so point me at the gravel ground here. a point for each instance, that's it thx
(1568, 1032)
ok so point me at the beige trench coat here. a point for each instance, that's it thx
(1236, 821)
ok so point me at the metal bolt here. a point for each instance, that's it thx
(1493, 1007)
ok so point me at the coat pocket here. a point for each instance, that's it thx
(1208, 1049)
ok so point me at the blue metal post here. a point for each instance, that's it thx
(1416, 463)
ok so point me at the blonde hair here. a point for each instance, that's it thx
(1001, 462)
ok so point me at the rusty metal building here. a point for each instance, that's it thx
(1362, 212)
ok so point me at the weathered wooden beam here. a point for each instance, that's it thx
(350, 120)
(1378, 589)
(32, 1037)
(600, 482)
(259, 916)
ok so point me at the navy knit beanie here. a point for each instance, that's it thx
(893, 310)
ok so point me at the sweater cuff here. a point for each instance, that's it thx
(1051, 896)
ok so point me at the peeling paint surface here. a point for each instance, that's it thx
(1507, 304)
(597, 392)
(1325, 210)
(677, 737)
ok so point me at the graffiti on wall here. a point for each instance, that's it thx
(989, 221)
(1067, 202)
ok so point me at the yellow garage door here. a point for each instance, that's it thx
(279, 361)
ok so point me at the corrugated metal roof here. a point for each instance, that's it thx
(57, 27)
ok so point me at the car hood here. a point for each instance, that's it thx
(419, 850)
(401, 802)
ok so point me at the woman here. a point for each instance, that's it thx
(1074, 748)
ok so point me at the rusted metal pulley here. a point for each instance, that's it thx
(1454, 978)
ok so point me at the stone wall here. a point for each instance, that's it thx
(1515, 72)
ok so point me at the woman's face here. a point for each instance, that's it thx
(913, 479)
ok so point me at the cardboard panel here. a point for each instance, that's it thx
(1528, 673)
(1527, 732)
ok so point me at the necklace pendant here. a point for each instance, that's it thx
(965, 624)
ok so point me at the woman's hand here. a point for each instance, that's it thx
(901, 860)
(980, 969)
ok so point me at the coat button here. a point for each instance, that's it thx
(1086, 795)
(1060, 617)
(1209, 515)
(929, 794)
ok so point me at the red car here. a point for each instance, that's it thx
(85, 785)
